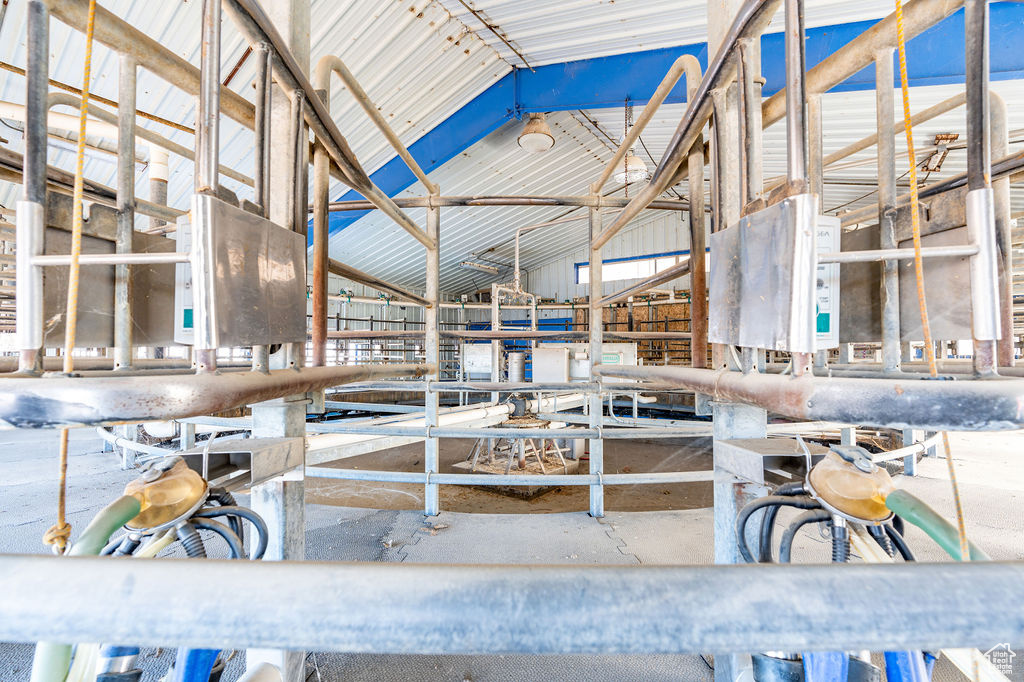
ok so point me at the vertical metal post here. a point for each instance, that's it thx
(158, 173)
(910, 461)
(750, 120)
(432, 349)
(261, 161)
(596, 334)
(698, 262)
(749, 142)
(495, 344)
(31, 210)
(890, 294)
(125, 211)
(208, 136)
(981, 228)
(281, 501)
(1000, 146)
(208, 127)
(321, 187)
(698, 248)
(298, 218)
(726, 164)
(816, 176)
(796, 125)
(815, 170)
(796, 131)
(261, 129)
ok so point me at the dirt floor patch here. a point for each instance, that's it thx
(621, 456)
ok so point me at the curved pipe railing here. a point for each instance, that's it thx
(686, 64)
(48, 402)
(751, 20)
(329, 64)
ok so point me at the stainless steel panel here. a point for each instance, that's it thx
(248, 277)
(725, 286)
(152, 285)
(763, 278)
(860, 308)
(947, 286)
(748, 458)
(240, 464)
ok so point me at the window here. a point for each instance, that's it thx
(637, 267)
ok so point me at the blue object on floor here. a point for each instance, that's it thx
(907, 666)
(826, 666)
(194, 665)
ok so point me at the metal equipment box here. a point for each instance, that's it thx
(558, 362)
(763, 278)
(248, 277)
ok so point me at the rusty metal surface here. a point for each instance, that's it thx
(31, 402)
(947, 284)
(153, 303)
(963, 405)
(860, 306)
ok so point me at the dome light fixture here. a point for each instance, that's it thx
(632, 169)
(536, 136)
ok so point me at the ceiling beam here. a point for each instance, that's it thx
(935, 57)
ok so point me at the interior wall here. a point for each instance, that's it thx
(658, 232)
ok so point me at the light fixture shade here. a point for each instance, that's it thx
(482, 267)
(536, 136)
(633, 169)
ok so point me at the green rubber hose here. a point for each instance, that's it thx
(945, 534)
(52, 659)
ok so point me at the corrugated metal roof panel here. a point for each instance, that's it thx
(547, 31)
(848, 117)
(417, 63)
(495, 165)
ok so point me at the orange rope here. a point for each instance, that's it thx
(60, 532)
(915, 219)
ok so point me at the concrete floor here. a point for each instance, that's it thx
(991, 486)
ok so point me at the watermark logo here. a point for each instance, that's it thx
(1001, 656)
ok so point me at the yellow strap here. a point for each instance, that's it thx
(58, 534)
(915, 221)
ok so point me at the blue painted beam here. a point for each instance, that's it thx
(934, 57)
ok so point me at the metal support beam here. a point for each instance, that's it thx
(32, 208)
(890, 285)
(596, 328)
(360, 277)
(125, 211)
(432, 350)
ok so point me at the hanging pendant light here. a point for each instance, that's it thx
(633, 168)
(536, 136)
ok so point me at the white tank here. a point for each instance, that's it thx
(517, 367)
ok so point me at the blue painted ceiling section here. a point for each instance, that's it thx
(934, 57)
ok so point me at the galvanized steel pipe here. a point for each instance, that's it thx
(452, 609)
(979, 405)
(750, 22)
(49, 402)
